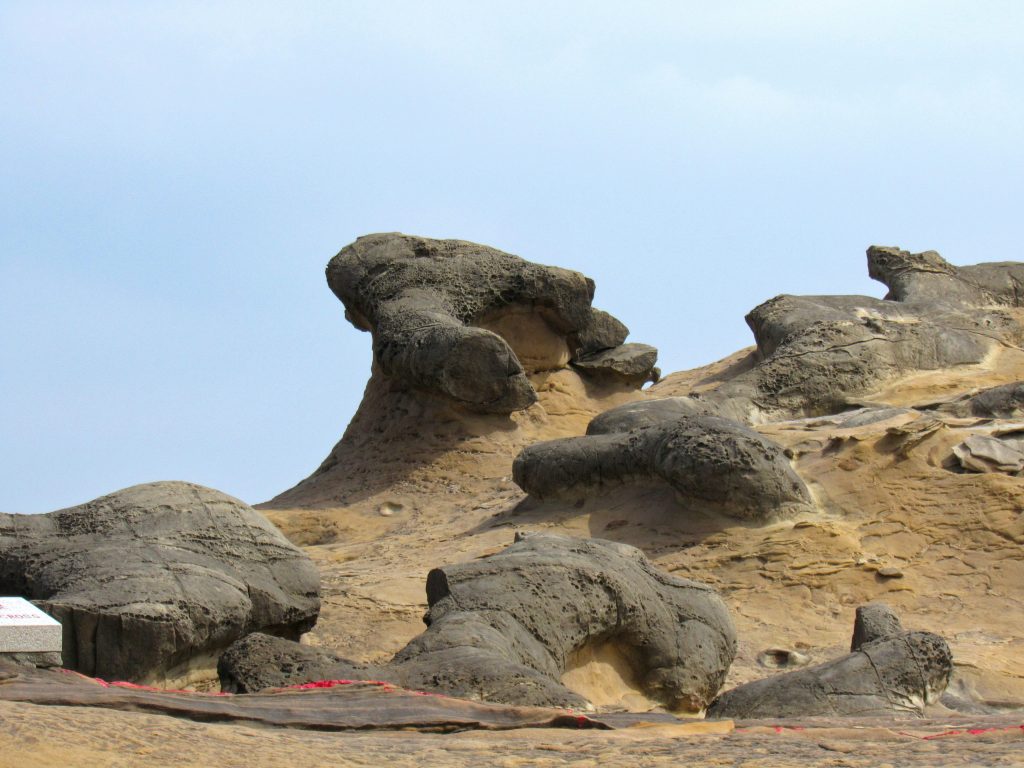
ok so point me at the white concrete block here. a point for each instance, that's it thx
(24, 628)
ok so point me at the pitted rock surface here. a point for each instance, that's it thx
(899, 674)
(447, 316)
(875, 621)
(504, 629)
(712, 462)
(153, 577)
(927, 277)
(259, 661)
(817, 354)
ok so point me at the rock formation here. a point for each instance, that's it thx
(817, 354)
(468, 321)
(874, 621)
(1003, 402)
(259, 661)
(888, 672)
(155, 579)
(505, 629)
(466, 338)
(710, 461)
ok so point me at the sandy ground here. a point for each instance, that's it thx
(56, 737)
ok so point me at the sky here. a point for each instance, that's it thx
(174, 177)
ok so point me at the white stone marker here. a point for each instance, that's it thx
(26, 629)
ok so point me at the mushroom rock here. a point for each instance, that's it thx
(469, 322)
(476, 353)
(154, 581)
(712, 462)
(506, 628)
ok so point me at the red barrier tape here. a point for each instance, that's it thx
(965, 732)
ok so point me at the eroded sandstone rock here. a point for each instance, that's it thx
(1002, 402)
(153, 578)
(817, 354)
(888, 671)
(874, 621)
(259, 661)
(899, 674)
(505, 628)
(469, 322)
(711, 461)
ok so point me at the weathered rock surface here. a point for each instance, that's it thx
(259, 661)
(713, 462)
(875, 621)
(505, 629)
(817, 354)
(647, 413)
(1003, 402)
(989, 453)
(155, 578)
(468, 321)
(899, 674)
(631, 362)
(927, 277)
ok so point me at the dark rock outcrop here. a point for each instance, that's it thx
(154, 577)
(712, 462)
(259, 661)
(888, 671)
(629, 362)
(875, 621)
(927, 277)
(469, 322)
(817, 354)
(900, 674)
(505, 628)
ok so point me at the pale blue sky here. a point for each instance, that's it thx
(176, 175)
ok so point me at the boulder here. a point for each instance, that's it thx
(888, 671)
(259, 661)
(631, 362)
(156, 578)
(712, 462)
(899, 674)
(506, 628)
(469, 322)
